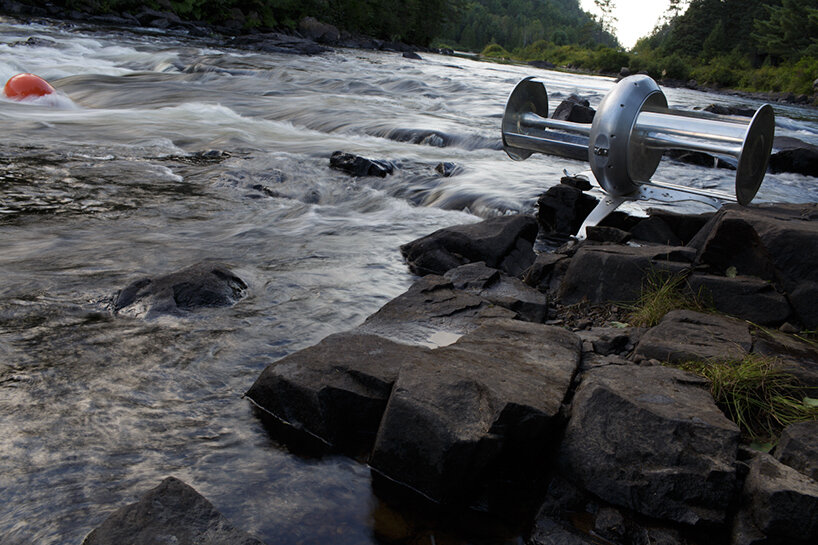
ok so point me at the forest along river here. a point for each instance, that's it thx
(111, 180)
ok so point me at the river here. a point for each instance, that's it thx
(164, 150)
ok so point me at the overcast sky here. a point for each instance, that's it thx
(636, 18)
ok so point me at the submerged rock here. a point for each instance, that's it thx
(199, 286)
(360, 166)
(651, 439)
(173, 512)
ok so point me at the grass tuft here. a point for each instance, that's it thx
(662, 293)
(756, 394)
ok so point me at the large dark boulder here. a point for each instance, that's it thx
(780, 505)
(801, 161)
(336, 390)
(734, 243)
(651, 439)
(798, 448)
(654, 229)
(173, 512)
(563, 208)
(777, 242)
(504, 242)
(722, 109)
(684, 226)
(478, 414)
(686, 335)
(574, 109)
(745, 297)
(601, 274)
(199, 286)
(544, 65)
(275, 42)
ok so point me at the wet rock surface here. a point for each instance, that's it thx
(173, 512)
(360, 166)
(432, 313)
(336, 390)
(505, 243)
(199, 286)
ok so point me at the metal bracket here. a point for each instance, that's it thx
(653, 191)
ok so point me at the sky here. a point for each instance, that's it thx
(636, 18)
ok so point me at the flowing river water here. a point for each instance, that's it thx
(161, 151)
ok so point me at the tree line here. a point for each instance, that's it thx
(466, 24)
(769, 45)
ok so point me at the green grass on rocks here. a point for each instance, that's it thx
(756, 394)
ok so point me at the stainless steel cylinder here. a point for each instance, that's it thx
(526, 127)
(633, 126)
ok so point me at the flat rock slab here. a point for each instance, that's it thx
(504, 243)
(651, 439)
(432, 312)
(199, 286)
(780, 502)
(602, 274)
(481, 411)
(686, 335)
(798, 448)
(173, 512)
(336, 390)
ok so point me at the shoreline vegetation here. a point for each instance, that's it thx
(767, 47)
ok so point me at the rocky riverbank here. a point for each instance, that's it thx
(481, 383)
(311, 37)
(522, 385)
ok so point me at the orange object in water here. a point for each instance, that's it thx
(27, 85)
